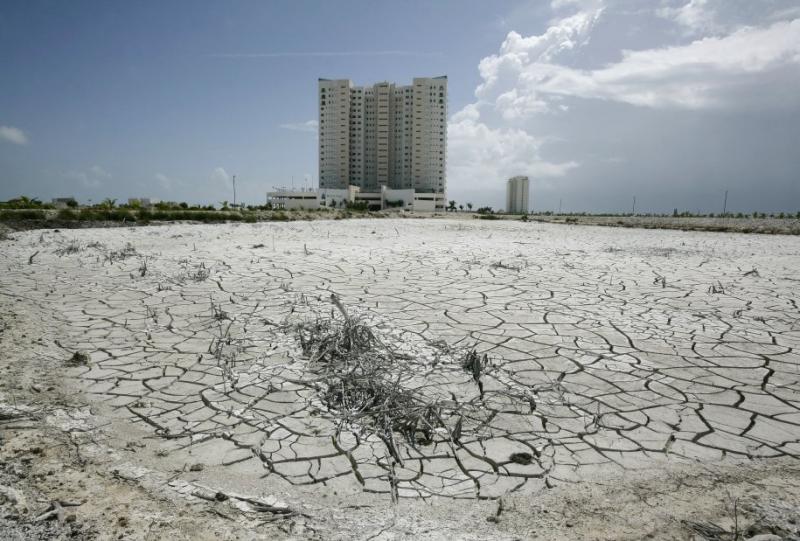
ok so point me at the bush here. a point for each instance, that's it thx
(87, 215)
(357, 206)
(23, 203)
(67, 214)
(26, 214)
(120, 215)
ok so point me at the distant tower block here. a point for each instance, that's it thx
(517, 195)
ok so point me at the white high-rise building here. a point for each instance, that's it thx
(383, 135)
(517, 195)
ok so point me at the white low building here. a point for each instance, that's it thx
(293, 200)
(64, 202)
(338, 197)
(386, 198)
(430, 202)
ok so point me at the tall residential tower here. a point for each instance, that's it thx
(383, 135)
(517, 195)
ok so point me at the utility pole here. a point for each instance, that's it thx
(633, 209)
(559, 205)
(725, 204)
(234, 190)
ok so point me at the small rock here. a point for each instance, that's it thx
(521, 458)
(196, 467)
(78, 359)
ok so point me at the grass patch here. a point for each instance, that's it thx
(8, 215)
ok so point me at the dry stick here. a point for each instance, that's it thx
(335, 300)
(55, 510)
(30, 259)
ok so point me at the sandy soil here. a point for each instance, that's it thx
(773, 226)
(639, 384)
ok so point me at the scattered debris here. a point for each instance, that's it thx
(241, 502)
(72, 247)
(716, 288)
(496, 517)
(501, 265)
(56, 510)
(200, 274)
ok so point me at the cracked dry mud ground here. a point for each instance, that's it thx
(616, 358)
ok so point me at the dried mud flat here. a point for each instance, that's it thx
(512, 381)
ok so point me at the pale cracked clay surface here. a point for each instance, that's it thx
(617, 361)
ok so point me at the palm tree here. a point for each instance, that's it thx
(461, 208)
(452, 206)
(108, 203)
(469, 206)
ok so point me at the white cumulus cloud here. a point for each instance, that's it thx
(695, 16)
(585, 78)
(10, 134)
(220, 176)
(483, 158)
(518, 52)
(749, 67)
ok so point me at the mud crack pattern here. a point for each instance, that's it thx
(607, 348)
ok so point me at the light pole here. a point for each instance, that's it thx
(234, 190)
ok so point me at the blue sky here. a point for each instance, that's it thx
(168, 99)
